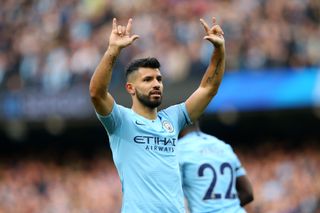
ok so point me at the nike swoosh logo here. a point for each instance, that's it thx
(141, 124)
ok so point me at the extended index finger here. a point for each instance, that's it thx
(205, 25)
(114, 24)
(129, 25)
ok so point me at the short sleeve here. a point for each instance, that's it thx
(112, 121)
(239, 169)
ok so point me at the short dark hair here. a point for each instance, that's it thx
(149, 62)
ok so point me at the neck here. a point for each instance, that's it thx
(147, 112)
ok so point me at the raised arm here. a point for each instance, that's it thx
(119, 38)
(199, 100)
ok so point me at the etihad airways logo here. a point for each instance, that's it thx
(154, 143)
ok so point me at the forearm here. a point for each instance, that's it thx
(245, 199)
(214, 73)
(199, 100)
(102, 76)
(209, 85)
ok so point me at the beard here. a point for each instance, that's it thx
(145, 100)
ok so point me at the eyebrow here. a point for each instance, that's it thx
(151, 76)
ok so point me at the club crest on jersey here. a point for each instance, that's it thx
(167, 126)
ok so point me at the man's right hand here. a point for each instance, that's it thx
(120, 35)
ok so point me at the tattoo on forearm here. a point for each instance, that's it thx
(217, 67)
(112, 60)
(215, 73)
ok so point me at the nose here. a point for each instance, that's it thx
(156, 84)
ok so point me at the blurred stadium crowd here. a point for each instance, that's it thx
(285, 181)
(53, 44)
(73, 186)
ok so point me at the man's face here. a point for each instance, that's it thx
(148, 86)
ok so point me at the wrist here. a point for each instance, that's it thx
(113, 50)
(220, 47)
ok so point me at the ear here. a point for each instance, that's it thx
(130, 88)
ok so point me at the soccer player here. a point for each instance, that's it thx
(143, 140)
(213, 178)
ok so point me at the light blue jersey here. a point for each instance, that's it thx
(144, 152)
(209, 168)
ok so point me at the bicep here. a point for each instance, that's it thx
(243, 184)
(197, 103)
(103, 105)
(244, 189)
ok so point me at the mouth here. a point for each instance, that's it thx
(155, 94)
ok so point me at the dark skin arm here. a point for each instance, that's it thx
(244, 189)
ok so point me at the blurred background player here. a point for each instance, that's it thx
(213, 178)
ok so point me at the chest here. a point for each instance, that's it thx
(157, 137)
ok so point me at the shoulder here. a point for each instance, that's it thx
(218, 142)
(187, 138)
(172, 108)
(122, 109)
(119, 113)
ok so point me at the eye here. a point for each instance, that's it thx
(147, 79)
(159, 79)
